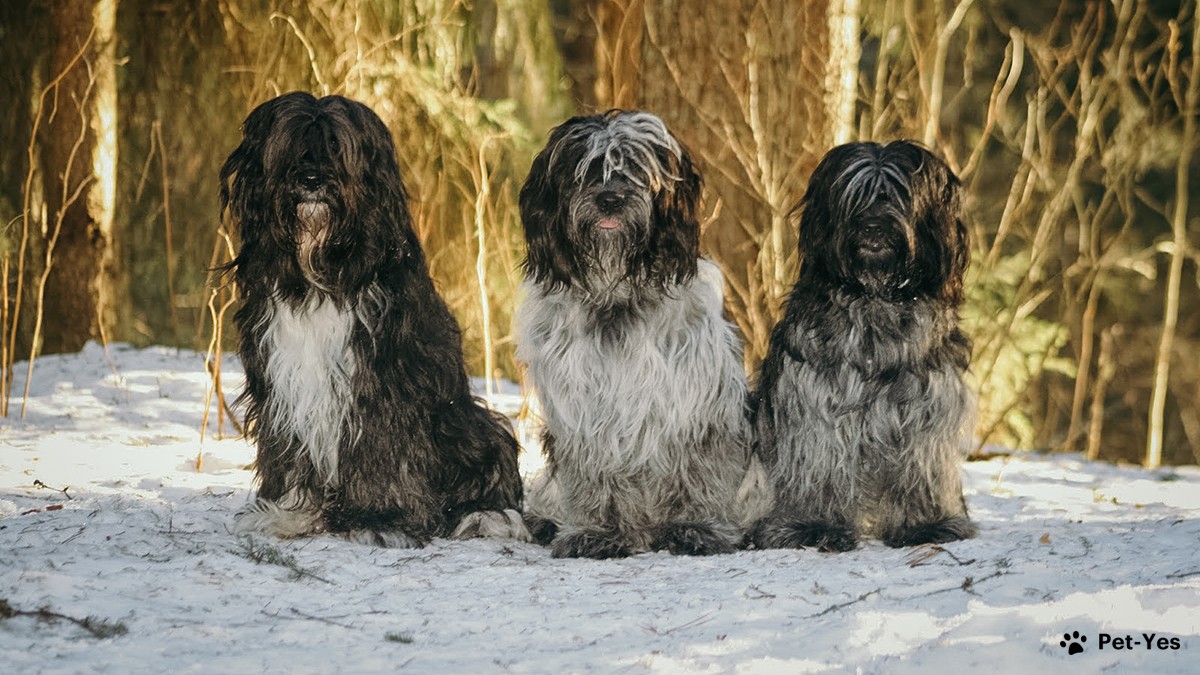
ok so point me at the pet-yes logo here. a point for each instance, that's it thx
(1076, 643)
(1072, 642)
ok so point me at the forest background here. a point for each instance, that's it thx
(1072, 127)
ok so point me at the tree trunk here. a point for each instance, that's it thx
(79, 152)
(1179, 250)
(517, 57)
(575, 32)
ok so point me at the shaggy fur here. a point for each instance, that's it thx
(356, 394)
(639, 376)
(861, 413)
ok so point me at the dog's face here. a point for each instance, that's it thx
(608, 218)
(611, 199)
(885, 220)
(316, 182)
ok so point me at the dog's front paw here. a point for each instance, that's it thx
(947, 529)
(506, 524)
(543, 530)
(384, 538)
(596, 544)
(805, 534)
(696, 539)
(269, 518)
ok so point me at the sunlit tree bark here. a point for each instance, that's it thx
(1190, 100)
(80, 160)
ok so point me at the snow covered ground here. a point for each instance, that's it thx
(103, 514)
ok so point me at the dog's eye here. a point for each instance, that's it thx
(595, 171)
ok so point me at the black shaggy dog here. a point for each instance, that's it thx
(638, 372)
(356, 393)
(861, 413)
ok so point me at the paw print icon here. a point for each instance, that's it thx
(1072, 642)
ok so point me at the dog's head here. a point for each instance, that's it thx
(612, 198)
(315, 181)
(885, 219)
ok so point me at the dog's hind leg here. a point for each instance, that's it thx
(484, 487)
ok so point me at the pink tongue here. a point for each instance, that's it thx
(609, 224)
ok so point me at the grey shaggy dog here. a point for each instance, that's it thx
(639, 375)
(861, 414)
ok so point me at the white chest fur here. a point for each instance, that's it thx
(309, 366)
(640, 397)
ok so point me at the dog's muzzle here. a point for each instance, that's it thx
(610, 203)
(873, 240)
(313, 215)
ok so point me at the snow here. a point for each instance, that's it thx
(103, 513)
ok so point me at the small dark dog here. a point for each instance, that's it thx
(861, 413)
(356, 393)
(639, 375)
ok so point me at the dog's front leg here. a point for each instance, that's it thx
(289, 500)
(816, 502)
(922, 502)
(594, 525)
(384, 496)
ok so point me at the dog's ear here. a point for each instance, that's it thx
(818, 216)
(958, 237)
(544, 211)
(243, 183)
(363, 155)
(675, 236)
(942, 235)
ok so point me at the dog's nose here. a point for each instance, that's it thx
(872, 237)
(311, 180)
(610, 200)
